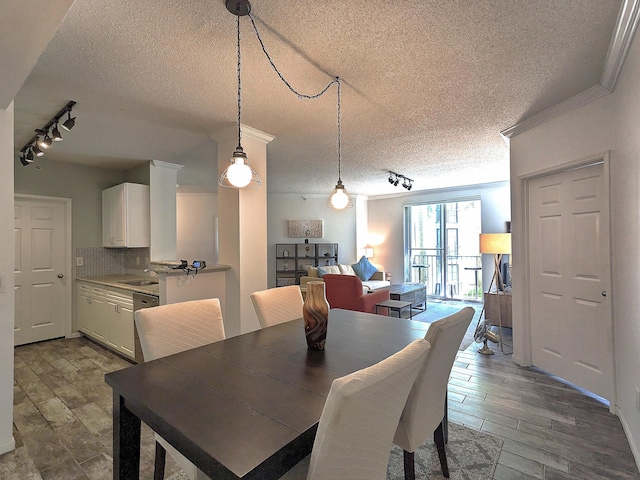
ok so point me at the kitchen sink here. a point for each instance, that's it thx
(140, 283)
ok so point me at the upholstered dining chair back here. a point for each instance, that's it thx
(277, 305)
(174, 328)
(362, 410)
(425, 408)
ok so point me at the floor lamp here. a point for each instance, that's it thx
(497, 244)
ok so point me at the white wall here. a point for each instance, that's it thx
(7, 297)
(339, 225)
(196, 223)
(610, 123)
(386, 230)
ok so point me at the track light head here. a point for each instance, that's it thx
(391, 178)
(395, 183)
(55, 133)
(69, 122)
(36, 150)
(46, 141)
(410, 186)
(29, 155)
(25, 160)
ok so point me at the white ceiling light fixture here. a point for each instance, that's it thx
(239, 164)
(239, 173)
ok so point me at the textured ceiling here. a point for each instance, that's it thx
(427, 85)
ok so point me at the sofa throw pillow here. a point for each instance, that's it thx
(312, 271)
(322, 271)
(346, 269)
(364, 269)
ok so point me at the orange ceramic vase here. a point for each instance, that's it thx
(315, 312)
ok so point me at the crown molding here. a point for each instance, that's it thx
(167, 165)
(620, 42)
(558, 109)
(246, 132)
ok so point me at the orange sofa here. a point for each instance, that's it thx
(345, 291)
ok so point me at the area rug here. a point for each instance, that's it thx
(471, 455)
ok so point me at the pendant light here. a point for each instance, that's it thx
(339, 197)
(239, 173)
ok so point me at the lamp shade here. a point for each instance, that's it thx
(496, 243)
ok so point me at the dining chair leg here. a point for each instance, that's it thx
(409, 466)
(438, 438)
(158, 468)
(446, 417)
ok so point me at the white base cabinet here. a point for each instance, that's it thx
(106, 315)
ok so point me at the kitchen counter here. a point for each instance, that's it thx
(167, 268)
(116, 281)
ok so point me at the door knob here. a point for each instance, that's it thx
(60, 275)
(604, 293)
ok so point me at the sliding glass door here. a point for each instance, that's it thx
(442, 250)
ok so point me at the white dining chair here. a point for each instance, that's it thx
(174, 328)
(424, 413)
(361, 414)
(277, 305)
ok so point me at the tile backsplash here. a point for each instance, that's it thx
(98, 261)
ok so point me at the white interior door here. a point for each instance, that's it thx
(42, 289)
(571, 327)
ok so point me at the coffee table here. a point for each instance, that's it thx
(396, 306)
(416, 293)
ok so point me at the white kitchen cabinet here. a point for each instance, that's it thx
(92, 311)
(106, 315)
(125, 216)
(84, 308)
(119, 320)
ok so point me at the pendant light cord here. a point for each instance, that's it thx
(284, 80)
(239, 83)
(337, 80)
(301, 96)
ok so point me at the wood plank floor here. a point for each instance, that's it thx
(551, 431)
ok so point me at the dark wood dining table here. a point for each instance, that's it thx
(248, 406)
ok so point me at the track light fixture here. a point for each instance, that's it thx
(45, 136)
(394, 179)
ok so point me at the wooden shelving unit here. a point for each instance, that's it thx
(293, 258)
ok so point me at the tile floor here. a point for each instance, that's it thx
(551, 431)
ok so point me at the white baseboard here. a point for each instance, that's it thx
(632, 441)
(74, 335)
(7, 446)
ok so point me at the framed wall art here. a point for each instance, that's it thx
(306, 228)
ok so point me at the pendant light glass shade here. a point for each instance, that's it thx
(239, 173)
(339, 197)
